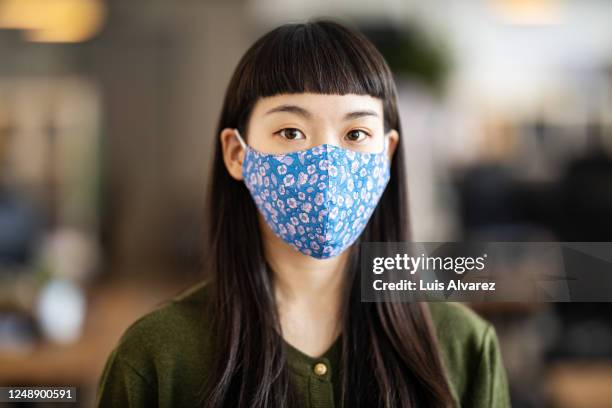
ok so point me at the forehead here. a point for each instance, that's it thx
(320, 105)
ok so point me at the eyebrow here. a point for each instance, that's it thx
(304, 113)
(360, 114)
(291, 109)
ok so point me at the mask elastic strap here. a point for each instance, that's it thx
(240, 139)
(386, 142)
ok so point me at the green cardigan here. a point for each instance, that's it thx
(161, 358)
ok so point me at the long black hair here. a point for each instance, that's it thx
(390, 356)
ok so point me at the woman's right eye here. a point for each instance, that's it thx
(291, 133)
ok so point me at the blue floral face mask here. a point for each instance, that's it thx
(317, 200)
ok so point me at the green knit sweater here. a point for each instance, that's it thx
(162, 357)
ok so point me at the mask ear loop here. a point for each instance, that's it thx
(386, 142)
(240, 139)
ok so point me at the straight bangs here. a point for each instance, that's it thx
(318, 57)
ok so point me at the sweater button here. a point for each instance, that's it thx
(320, 369)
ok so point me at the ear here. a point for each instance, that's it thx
(393, 138)
(233, 152)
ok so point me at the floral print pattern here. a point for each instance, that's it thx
(317, 200)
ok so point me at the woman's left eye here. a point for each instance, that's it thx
(356, 135)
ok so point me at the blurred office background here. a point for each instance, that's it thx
(107, 113)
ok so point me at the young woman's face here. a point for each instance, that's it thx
(290, 122)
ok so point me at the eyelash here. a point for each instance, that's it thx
(360, 130)
(289, 128)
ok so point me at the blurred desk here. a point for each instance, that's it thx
(580, 384)
(112, 307)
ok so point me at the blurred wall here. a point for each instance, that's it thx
(164, 74)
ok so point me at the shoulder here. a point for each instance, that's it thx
(171, 325)
(167, 348)
(471, 354)
(457, 324)
(461, 336)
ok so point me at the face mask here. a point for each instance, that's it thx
(317, 200)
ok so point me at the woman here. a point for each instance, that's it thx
(308, 163)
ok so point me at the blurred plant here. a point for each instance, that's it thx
(412, 52)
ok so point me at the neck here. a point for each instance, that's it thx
(297, 275)
(305, 287)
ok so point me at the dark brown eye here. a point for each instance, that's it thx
(291, 133)
(356, 135)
